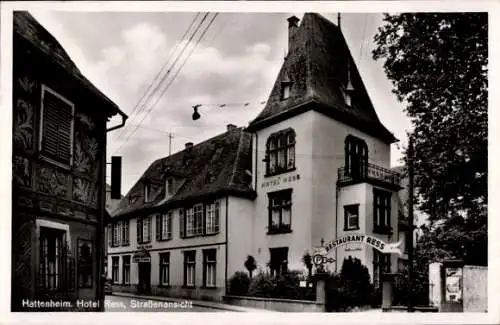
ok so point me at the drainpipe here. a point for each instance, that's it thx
(227, 243)
(336, 226)
(100, 231)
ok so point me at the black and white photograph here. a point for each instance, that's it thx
(182, 158)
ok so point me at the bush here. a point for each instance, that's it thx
(262, 285)
(351, 288)
(239, 284)
(287, 285)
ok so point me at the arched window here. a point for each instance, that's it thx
(356, 157)
(280, 152)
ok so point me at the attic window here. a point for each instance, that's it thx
(209, 178)
(147, 192)
(170, 186)
(285, 90)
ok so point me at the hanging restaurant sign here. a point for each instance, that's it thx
(383, 247)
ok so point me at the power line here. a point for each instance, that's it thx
(172, 66)
(168, 72)
(170, 55)
(363, 38)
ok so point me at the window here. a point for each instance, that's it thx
(125, 233)
(147, 192)
(351, 217)
(189, 268)
(381, 211)
(85, 264)
(170, 186)
(164, 226)
(52, 256)
(126, 269)
(190, 222)
(356, 158)
(209, 263)
(381, 264)
(198, 219)
(279, 260)
(280, 152)
(164, 269)
(56, 127)
(212, 218)
(143, 230)
(280, 211)
(285, 90)
(116, 234)
(115, 260)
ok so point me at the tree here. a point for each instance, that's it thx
(437, 63)
(307, 260)
(250, 265)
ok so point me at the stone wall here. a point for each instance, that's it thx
(475, 288)
(282, 305)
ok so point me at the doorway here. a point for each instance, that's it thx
(144, 278)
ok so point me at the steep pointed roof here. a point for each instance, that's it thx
(217, 166)
(317, 68)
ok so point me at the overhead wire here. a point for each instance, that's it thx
(170, 56)
(175, 75)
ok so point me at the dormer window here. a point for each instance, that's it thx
(170, 186)
(147, 192)
(285, 90)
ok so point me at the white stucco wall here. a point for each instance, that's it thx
(299, 240)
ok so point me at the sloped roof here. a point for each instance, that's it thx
(216, 166)
(317, 66)
(30, 29)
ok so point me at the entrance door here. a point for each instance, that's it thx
(144, 278)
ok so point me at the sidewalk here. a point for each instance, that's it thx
(200, 303)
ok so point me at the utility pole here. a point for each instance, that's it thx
(170, 136)
(411, 226)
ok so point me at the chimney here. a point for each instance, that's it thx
(189, 145)
(293, 26)
(231, 127)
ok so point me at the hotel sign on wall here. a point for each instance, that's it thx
(281, 180)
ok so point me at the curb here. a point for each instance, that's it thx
(194, 302)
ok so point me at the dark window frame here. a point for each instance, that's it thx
(356, 157)
(278, 267)
(285, 85)
(140, 232)
(115, 267)
(188, 262)
(116, 234)
(85, 266)
(124, 258)
(159, 226)
(52, 281)
(207, 253)
(283, 195)
(381, 264)
(125, 232)
(200, 223)
(347, 226)
(162, 257)
(281, 144)
(379, 226)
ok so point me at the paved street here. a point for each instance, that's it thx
(127, 304)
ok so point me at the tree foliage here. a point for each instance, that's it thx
(437, 63)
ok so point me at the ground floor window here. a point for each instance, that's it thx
(115, 260)
(52, 255)
(126, 269)
(164, 269)
(209, 264)
(189, 268)
(85, 263)
(381, 264)
(279, 260)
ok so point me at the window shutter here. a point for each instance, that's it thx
(158, 227)
(181, 223)
(57, 128)
(169, 224)
(139, 230)
(216, 221)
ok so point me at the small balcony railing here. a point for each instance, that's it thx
(368, 173)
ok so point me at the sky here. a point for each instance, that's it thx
(236, 62)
